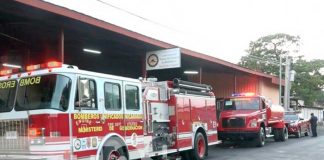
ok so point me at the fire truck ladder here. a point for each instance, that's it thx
(186, 87)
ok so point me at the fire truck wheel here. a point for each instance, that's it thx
(276, 134)
(260, 140)
(113, 150)
(298, 134)
(283, 134)
(110, 153)
(200, 147)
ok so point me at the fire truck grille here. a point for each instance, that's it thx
(13, 135)
(233, 122)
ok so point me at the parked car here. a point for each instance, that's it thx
(296, 125)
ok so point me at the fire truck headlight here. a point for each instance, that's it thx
(254, 123)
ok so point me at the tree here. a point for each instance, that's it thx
(263, 54)
(309, 81)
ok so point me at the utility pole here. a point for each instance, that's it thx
(280, 78)
(287, 84)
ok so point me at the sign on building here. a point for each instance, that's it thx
(163, 59)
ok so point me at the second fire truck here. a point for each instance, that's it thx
(55, 111)
(246, 116)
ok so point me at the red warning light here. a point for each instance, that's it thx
(48, 65)
(33, 67)
(8, 71)
(52, 64)
(247, 94)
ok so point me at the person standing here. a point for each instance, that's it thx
(313, 122)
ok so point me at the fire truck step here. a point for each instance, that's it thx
(269, 136)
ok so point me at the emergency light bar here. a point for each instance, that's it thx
(6, 72)
(48, 65)
(248, 94)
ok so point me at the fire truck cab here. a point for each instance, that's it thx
(246, 116)
(56, 111)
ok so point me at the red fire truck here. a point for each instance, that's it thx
(246, 116)
(56, 111)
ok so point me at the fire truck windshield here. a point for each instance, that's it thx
(43, 92)
(291, 117)
(7, 95)
(242, 104)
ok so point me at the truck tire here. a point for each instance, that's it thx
(110, 153)
(113, 150)
(200, 147)
(283, 134)
(260, 140)
(276, 134)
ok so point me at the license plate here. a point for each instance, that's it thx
(11, 135)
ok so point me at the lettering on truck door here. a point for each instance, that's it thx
(113, 107)
(86, 127)
(133, 119)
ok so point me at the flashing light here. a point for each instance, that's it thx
(51, 64)
(33, 67)
(248, 94)
(36, 132)
(8, 71)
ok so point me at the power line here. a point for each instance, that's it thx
(138, 16)
(262, 60)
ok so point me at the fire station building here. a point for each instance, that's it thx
(32, 32)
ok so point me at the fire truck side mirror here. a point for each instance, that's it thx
(264, 106)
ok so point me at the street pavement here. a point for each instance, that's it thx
(304, 148)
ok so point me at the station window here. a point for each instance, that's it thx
(132, 97)
(112, 96)
(86, 96)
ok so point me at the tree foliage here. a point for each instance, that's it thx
(263, 54)
(309, 81)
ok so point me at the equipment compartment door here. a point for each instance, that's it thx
(184, 122)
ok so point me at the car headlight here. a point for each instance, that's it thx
(254, 123)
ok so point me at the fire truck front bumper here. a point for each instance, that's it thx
(235, 135)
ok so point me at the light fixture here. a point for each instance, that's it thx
(91, 51)
(11, 65)
(190, 72)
